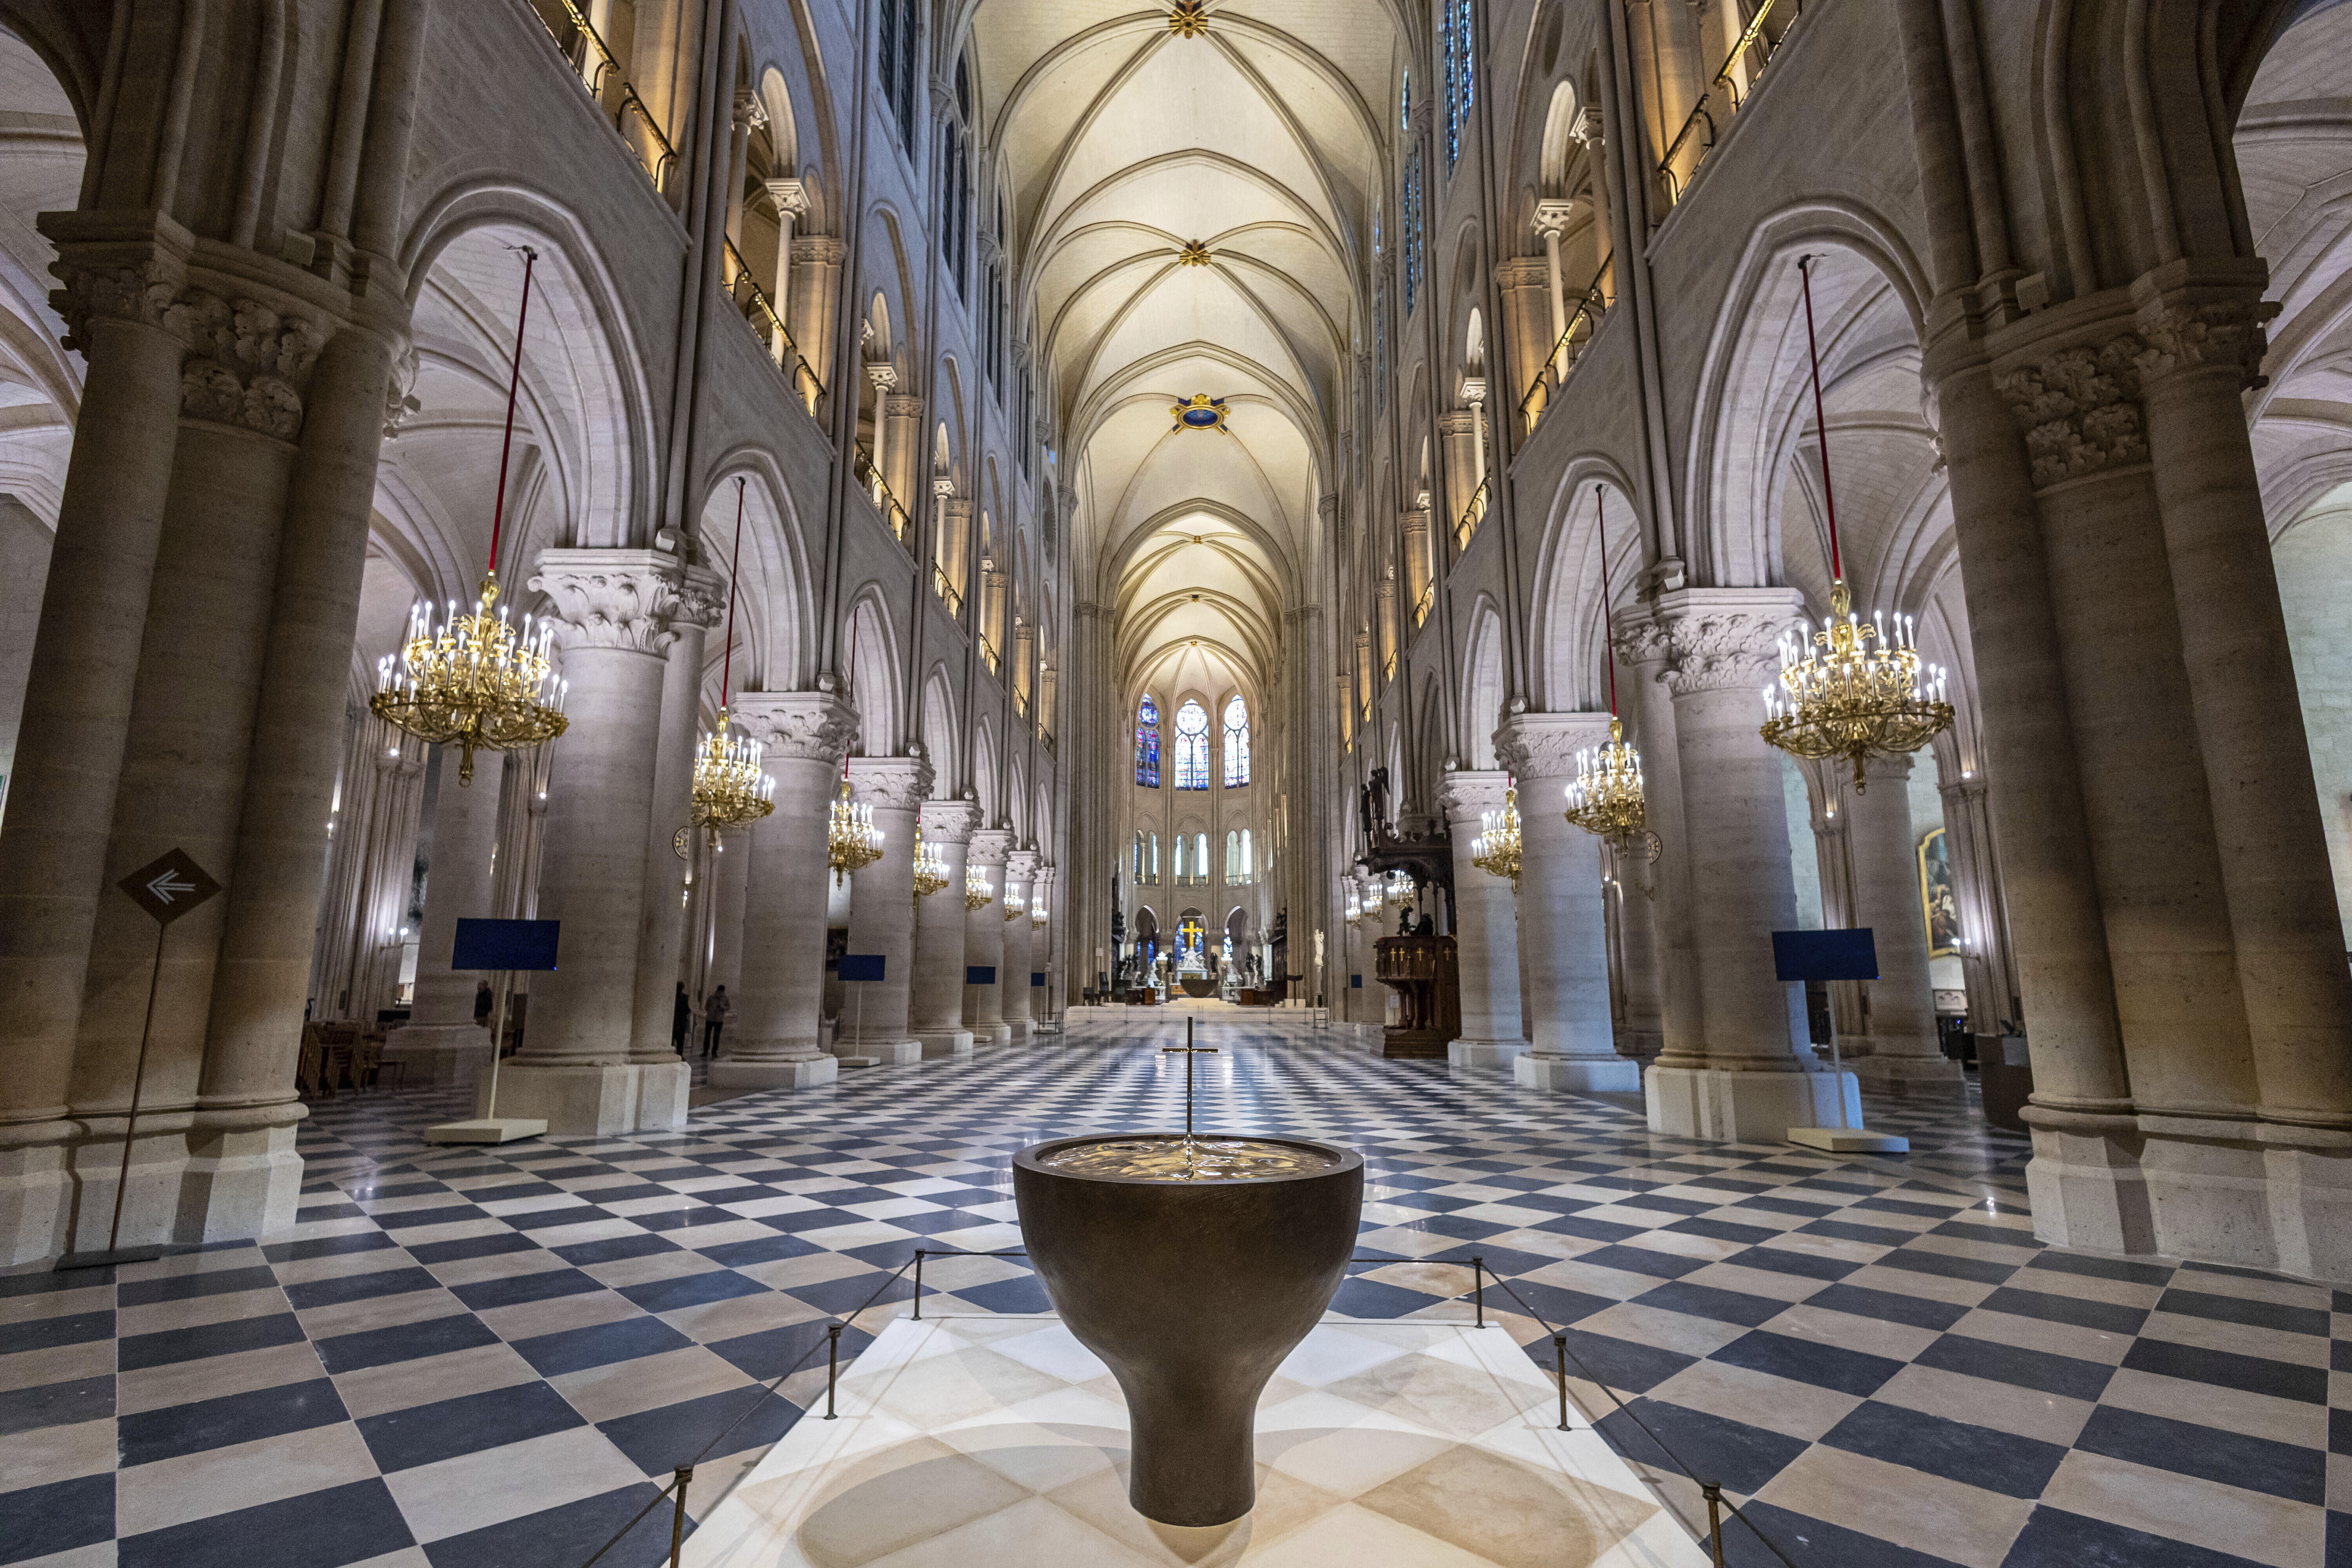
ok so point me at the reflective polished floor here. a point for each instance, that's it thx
(469, 1356)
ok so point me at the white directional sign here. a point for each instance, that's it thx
(169, 887)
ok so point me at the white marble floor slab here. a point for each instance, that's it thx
(977, 1442)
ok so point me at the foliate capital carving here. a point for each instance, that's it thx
(818, 251)
(989, 846)
(2184, 336)
(1541, 748)
(791, 195)
(400, 398)
(891, 784)
(1020, 866)
(112, 290)
(2079, 409)
(621, 599)
(247, 362)
(1464, 792)
(1554, 216)
(702, 598)
(810, 726)
(1523, 272)
(903, 405)
(949, 821)
(1713, 639)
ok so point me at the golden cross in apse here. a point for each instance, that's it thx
(1188, 1050)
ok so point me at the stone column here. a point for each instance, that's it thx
(984, 940)
(1521, 285)
(194, 708)
(940, 926)
(1486, 930)
(700, 600)
(1752, 1075)
(1563, 921)
(882, 911)
(613, 609)
(1642, 1030)
(441, 1042)
(791, 198)
(1457, 434)
(1905, 1055)
(904, 413)
(1553, 218)
(884, 377)
(76, 715)
(1413, 524)
(731, 870)
(816, 295)
(773, 1041)
(1020, 870)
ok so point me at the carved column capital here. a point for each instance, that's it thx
(989, 846)
(813, 726)
(1554, 216)
(903, 405)
(1523, 272)
(949, 821)
(1463, 793)
(2181, 335)
(1711, 639)
(1019, 865)
(2079, 408)
(627, 600)
(1541, 748)
(791, 195)
(891, 784)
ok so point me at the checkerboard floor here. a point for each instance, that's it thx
(465, 1357)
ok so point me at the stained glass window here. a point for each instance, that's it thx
(1458, 76)
(1192, 746)
(1236, 744)
(1147, 743)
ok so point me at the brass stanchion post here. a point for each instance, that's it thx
(1714, 1495)
(677, 1515)
(832, 1365)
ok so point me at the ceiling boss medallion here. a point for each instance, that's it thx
(1194, 253)
(1203, 413)
(1190, 19)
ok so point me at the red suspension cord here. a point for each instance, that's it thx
(734, 569)
(1608, 624)
(1821, 421)
(514, 386)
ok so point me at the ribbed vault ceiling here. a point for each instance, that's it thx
(1119, 145)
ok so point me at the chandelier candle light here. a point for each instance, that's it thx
(931, 866)
(729, 787)
(977, 893)
(1845, 698)
(474, 681)
(1607, 799)
(1495, 850)
(1016, 906)
(852, 842)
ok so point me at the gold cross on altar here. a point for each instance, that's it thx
(1188, 1050)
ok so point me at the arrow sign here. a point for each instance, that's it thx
(169, 887)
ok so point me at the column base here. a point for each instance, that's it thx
(439, 1053)
(599, 1099)
(2085, 1182)
(813, 1071)
(1483, 1053)
(1019, 1032)
(1587, 1075)
(243, 1176)
(941, 1044)
(987, 1034)
(1912, 1077)
(1733, 1105)
(36, 1194)
(889, 1052)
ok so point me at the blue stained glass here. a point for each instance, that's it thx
(1147, 744)
(1237, 754)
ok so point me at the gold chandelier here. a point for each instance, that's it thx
(1495, 850)
(852, 842)
(1845, 699)
(977, 893)
(1607, 798)
(729, 787)
(1016, 906)
(931, 866)
(1355, 906)
(472, 681)
(1037, 916)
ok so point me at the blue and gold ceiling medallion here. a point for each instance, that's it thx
(1203, 413)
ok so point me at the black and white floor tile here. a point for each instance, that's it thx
(466, 1357)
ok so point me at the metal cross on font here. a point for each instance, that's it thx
(1188, 1050)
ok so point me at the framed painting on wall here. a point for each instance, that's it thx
(1938, 906)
